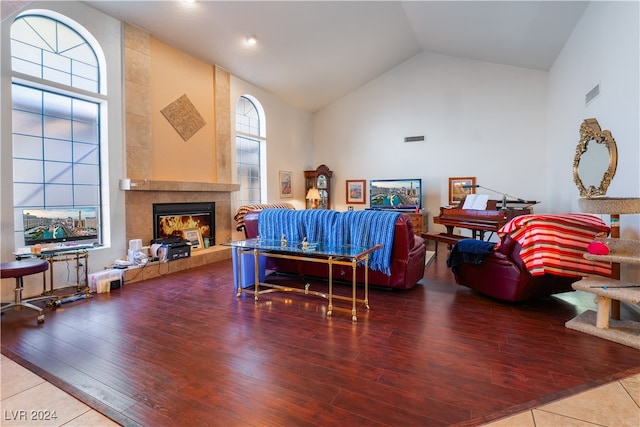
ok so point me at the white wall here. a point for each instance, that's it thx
(480, 119)
(604, 48)
(289, 146)
(514, 129)
(107, 32)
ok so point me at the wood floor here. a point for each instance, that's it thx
(183, 350)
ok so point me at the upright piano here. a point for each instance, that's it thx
(479, 221)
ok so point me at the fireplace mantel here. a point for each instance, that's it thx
(142, 194)
(151, 185)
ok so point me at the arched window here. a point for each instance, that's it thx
(57, 100)
(250, 137)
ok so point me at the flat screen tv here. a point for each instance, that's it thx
(404, 194)
(60, 225)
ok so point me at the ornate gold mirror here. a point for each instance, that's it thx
(596, 159)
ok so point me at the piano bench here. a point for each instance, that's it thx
(449, 239)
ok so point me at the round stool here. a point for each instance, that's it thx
(19, 269)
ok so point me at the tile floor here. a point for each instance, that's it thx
(27, 399)
(616, 404)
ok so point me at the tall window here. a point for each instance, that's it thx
(249, 139)
(57, 100)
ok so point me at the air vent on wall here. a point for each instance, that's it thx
(414, 138)
(593, 94)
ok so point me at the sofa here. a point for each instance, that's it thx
(407, 251)
(245, 209)
(536, 256)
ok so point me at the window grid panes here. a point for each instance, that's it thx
(248, 163)
(56, 135)
(248, 152)
(48, 49)
(247, 117)
(57, 147)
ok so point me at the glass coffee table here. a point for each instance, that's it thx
(348, 255)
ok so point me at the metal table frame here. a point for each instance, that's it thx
(63, 255)
(344, 255)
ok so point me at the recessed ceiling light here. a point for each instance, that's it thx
(251, 41)
(188, 1)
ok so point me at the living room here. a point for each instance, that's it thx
(513, 128)
(479, 119)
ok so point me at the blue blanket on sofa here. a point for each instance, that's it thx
(358, 228)
(314, 224)
(367, 229)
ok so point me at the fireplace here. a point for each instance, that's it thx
(170, 219)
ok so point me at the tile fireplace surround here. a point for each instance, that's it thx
(144, 193)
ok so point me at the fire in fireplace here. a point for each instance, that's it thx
(170, 219)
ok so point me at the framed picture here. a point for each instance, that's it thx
(193, 235)
(285, 185)
(457, 190)
(356, 192)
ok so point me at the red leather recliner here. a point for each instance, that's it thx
(552, 258)
(504, 276)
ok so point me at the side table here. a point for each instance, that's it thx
(79, 256)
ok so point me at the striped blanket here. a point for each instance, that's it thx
(244, 209)
(556, 243)
(367, 229)
(314, 224)
(359, 228)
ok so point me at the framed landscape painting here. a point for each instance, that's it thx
(356, 192)
(457, 190)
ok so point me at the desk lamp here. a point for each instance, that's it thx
(314, 195)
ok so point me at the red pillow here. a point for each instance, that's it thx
(598, 248)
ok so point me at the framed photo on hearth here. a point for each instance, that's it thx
(193, 235)
(356, 192)
(285, 185)
(459, 188)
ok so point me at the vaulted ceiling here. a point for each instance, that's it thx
(311, 53)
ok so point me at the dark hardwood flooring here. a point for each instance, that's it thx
(183, 350)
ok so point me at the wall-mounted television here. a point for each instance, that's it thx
(60, 225)
(404, 194)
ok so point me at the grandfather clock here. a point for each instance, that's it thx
(320, 179)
